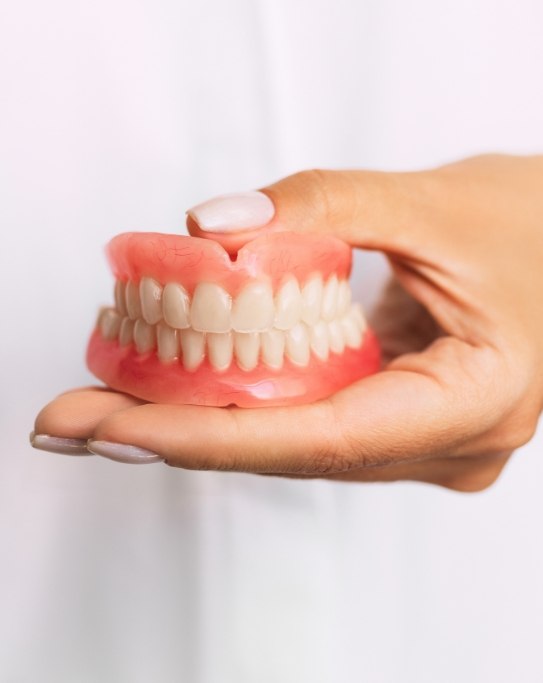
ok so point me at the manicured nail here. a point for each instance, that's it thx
(123, 452)
(233, 212)
(57, 444)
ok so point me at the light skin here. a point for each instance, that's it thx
(461, 326)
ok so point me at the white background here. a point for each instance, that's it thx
(118, 115)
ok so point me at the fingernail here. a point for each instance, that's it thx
(57, 444)
(123, 452)
(233, 212)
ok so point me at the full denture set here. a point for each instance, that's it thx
(274, 327)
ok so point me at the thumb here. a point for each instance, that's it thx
(374, 210)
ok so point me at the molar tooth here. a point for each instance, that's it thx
(335, 334)
(151, 300)
(193, 347)
(329, 299)
(297, 344)
(176, 306)
(210, 310)
(126, 334)
(167, 343)
(144, 336)
(120, 297)
(351, 332)
(343, 298)
(247, 346)
(319, 340)
(253, 309)
(220, 347)
(288, 305)
(358, 316)
(132, 297)
(312, 300)
(110, 323)
(273, 348)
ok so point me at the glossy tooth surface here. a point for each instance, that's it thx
(193, 348)
(319, 340)
(312, 300)
(120, 297)
(351, 332)
(329, 299)
(273, 348)
(151, 300)
(220, 347)
(211, 308)
(144, 336)
(335, 333)
(167, 343)
(126, 334)
(253, 309)
(343, 298)
(288, 305)
(358, 315)
(247, 346)
(176, 306)
(132, 297)
(297, 344)
(110, 323)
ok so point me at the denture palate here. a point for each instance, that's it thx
(257, 325)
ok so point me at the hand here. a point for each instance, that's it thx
(462, 328)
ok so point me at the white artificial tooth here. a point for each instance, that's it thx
(247, 346)
(126, 334)
(335, 333)
(288, 305)
(343, 298)
(193, 347)
(110, 323)
(297, 344)
(357, 314)
(329, 299)
(151, 300)
(176, 306)
(132, 297)
(167, 343)
(120, 297)
(273, 348)
(253, 309)
(144, 336)
(319, 340)
(211, 307)
(351, 332)
(220, 347)
(312, 300)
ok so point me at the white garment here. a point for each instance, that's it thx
(119, 115)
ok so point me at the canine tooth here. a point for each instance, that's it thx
(273, 348)
(335, 334)
(167, 343)
(176, 306)
(351, 332)
(144, 336)
(210, 310)
(193, 347)
(120, 300)
(151, 300)
(253, 309)
(110, 323)
(297, 344)
(126, 334)
(132, 298)
(343, 298)
(329, 299)
(220, 347)
(312, 300)
(288, 305)
(247, 346)
(319, 340)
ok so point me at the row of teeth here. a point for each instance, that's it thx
(254, 309)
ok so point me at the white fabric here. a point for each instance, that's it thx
(119, 115)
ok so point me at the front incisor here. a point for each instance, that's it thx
(210, 309)
(253, 308)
